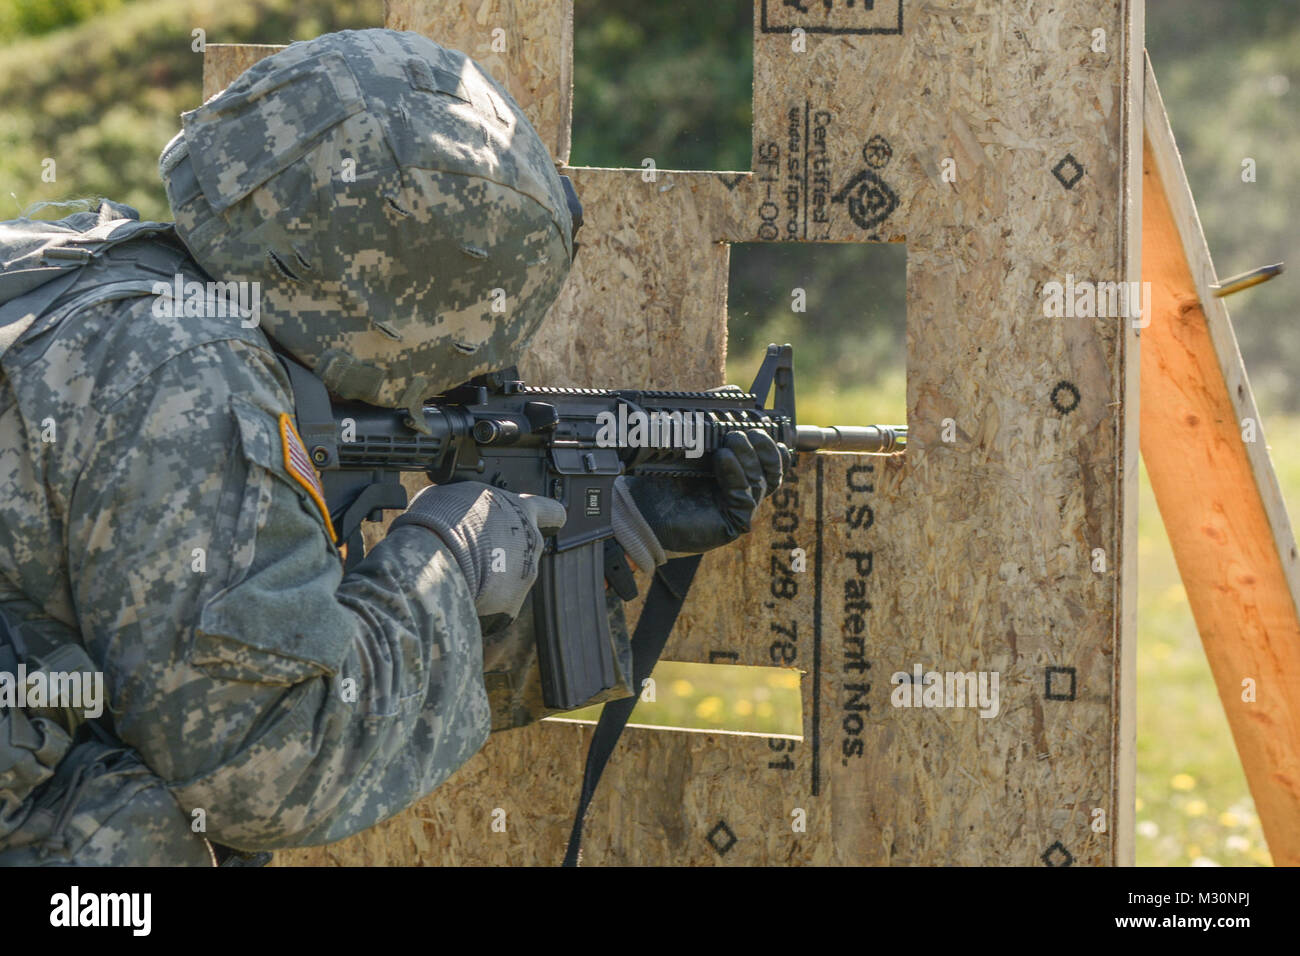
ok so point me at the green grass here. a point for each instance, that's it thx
(761, 700)
(1193, 803)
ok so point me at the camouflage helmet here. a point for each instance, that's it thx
(404, 220)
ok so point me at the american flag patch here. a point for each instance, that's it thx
(298, 464)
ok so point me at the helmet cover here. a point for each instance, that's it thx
(404, 220)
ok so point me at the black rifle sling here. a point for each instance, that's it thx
(662, 605)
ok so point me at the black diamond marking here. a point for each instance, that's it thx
(1052, 694)
(1070, 179)
(1063, 389)
(1065, 856)
(731, 182)
(717, 836)
(868, 200)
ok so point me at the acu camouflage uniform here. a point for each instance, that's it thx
(163, 530)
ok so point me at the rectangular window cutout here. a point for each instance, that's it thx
(717, 697)
(672, 84)
(843, 307)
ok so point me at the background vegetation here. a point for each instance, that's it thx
(98, 85)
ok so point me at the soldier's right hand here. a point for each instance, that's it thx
(494, 535)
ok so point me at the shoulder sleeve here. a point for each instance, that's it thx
(293, 704)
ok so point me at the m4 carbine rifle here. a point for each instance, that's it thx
(548, 441)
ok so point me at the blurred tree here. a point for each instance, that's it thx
(851, 331)
(34, 17)
(662, 79)
(1230, 77)
(102, 97)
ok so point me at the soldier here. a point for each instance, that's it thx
(157, 523)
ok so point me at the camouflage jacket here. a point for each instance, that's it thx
(150, 506)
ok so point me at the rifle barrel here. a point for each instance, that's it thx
(859, 438)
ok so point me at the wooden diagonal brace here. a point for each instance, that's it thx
(1214, 483)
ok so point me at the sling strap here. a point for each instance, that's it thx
(663, 603)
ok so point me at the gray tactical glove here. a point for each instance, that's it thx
(474, 520)
(655, 516)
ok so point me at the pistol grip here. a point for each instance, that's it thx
(575, 656)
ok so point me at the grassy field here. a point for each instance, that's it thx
(1193, 803)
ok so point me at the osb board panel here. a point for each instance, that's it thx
(526, 46)
(646, 302)
(983, 544)
(980, 548)
(530, 55)
(1217, 493)
(691, 815)
(222, 62)
(667, 792)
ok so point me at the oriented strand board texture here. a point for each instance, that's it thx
(981, 546)
(646, 303)
(973, 554)
(222, 62)
(524, 45)
(693, 815)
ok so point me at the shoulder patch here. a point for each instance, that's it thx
(298, 464)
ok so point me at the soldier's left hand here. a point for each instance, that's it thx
(654, 516)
